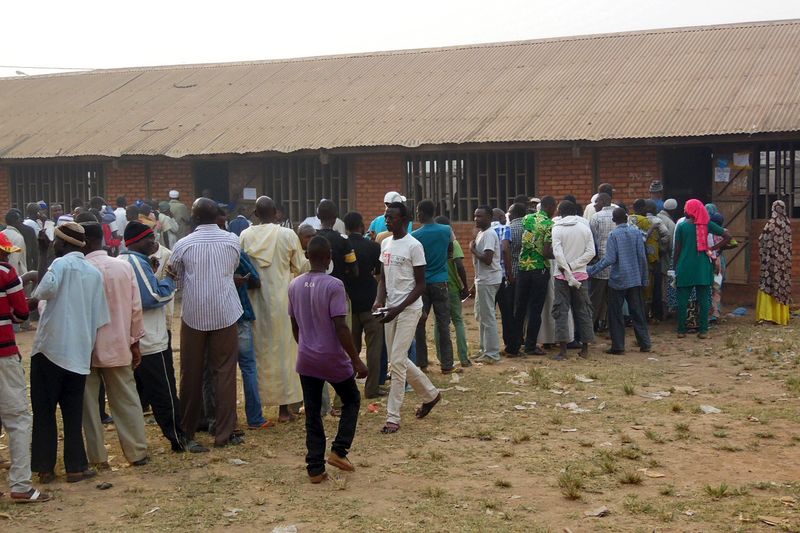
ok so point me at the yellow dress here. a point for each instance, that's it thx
(277, 254)
(770, 309)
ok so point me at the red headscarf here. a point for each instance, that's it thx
(697, 211)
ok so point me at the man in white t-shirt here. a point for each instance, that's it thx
(488, 278)
(401, 286)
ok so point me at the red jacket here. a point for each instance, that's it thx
(13, 308)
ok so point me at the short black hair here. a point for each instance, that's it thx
(651, 207)
(13, 217)
(400, 206)
(427, 207)
(318, 245)
(570, 198)
(96, 202)
(87, 217)
(76, 202)
(92, 230)
(353, 221)
(640, 205)
(441, 219)
(517, 210)
(548, 201)
(521, 199)
(619, 215)
(606, 188)
(487, 209)
(567, 208)
(121, 201)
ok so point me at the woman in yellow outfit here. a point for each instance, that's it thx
(775, 286)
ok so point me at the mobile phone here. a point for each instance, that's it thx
(380, 311)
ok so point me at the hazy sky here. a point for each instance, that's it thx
(108, 34)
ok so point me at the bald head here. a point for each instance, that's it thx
(205, 211)
(306, 232)
(265, 209)
(327, 211)
(498, 215)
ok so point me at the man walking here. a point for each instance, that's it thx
(62, 353)
(325, 353)
(436, 240)
(16, 417)
(180, 213)
(626, 256)
(601, 225)
(203, 264)
(115, 355)
(401, 285)
(573, 248)
(362, 291)
(488, 278)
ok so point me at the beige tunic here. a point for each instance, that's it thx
(276, 252)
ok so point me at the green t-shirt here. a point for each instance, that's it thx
(693, 268)
(453, 281)
(537, 231)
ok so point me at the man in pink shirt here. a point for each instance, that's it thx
(115, 355)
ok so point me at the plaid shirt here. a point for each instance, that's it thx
(515, 243)
(602, 224)
(626, 257)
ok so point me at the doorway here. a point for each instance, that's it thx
(687, 174)
(211, 178)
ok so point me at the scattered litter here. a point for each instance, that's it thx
(583, 379)
(772, 520)
(504, 393)
(569, 430)
(455, 378)
(459, 388)
(373, 407)
(5, 515)
(237, 462)
(573, 407)
(607, 444)
(788, 501)
(658, 395)
(515, 497)
(556, 391)
(442, 439)
(592, 397)
(231, 512)
(151, 511)
(638, 428)
(601, 406)
(739, 311)
(684, 389)
(440, 390)
(648, 473)
(751, 418)
(600, 511)
(710, 410)
(285, 529)
(652, 358)
(744, 375)
(493, 466)
(104, 486)
(521, 407)
(519, 378)
(684, 365)
(689, 512)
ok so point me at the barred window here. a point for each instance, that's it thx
(777, 178)
(300, 182)
(56, 183)
(459, 182)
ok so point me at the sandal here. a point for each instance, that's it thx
(32, 496)
(265, 425)
(390, 427)
(425, 408)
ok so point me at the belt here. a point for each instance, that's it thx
(537, 270)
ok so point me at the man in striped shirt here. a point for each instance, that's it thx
(203, 264)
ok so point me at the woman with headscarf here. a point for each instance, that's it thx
(775, 285)
(693, 263)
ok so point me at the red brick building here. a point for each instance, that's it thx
(712, 112)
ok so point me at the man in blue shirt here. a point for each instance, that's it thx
(436, 240)
(626, 256)
(378, 224)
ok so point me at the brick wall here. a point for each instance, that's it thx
(169, 174)
(630, 170)
(559, 173)
(129, 179)
(5, 188)
(125, 178)
(375, 175)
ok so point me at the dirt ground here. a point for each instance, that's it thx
(525, 445)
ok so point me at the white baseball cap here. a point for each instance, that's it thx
(174, 194)
(392, 197)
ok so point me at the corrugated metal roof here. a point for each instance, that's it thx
(713, 80)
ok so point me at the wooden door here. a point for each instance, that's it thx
(731, 192)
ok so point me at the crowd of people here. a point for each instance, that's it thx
(293, 309)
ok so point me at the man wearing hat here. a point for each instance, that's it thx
(75, 309)
(13, 393)
(378, 225)
(657, 193)
(180, 213)
(667, 217)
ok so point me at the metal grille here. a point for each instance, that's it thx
(778, 178)
(56, 183)
(459, 182)
(299, 183)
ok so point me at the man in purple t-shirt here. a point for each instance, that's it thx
(325, 352)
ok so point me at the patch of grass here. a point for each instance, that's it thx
(667, 490)
(676, 407)
(520, 437)
(631, 477)
(655, 437)
(720, 434)
(632, 452)
(729, 448)
(502, 483)
(433, 492)
(539, 378)
(717, 491)
(412, 454)
(436, 456)
(624, 438)
(634, 505)
(586, 444)
(571, 484)
(556, 419)
(628, 389)
(607, 462)
(507, 453)
(765, 435)
(682, 430)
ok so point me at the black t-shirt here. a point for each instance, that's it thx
(340, 250)
(362, 289)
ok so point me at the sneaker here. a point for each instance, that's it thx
(485, 359)
(319, 478)
(342, 463)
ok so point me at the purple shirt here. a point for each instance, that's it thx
(314, 299)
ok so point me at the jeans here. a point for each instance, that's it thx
(531, 293)
(505, 302)
(703, 306)
(53, 386)
(249, 370)
(616, 321)
(566, 298)
(368, 325)
(436, 296)
(487, 320)
(17, 420)
(399, 334)
(458, 323)
(348, 391)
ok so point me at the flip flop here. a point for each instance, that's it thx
(389, 428)
(425, 408)
(32, 496)
(265, 425)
